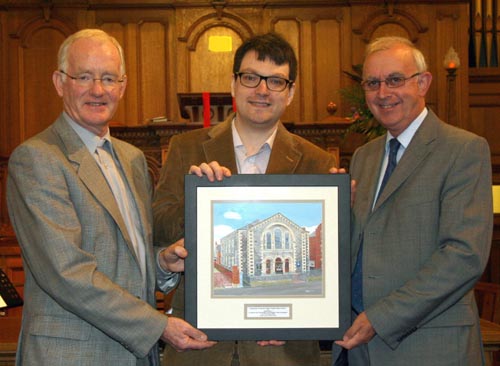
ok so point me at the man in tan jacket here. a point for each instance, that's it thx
(251, 141)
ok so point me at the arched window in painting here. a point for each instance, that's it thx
(268, 241)
(287, 265)
(268, 266)
(277, 239)
(287, 240)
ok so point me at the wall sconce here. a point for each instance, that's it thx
(451, 63)
(451, 60)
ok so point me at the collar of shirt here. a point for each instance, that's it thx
(407, 135)
(91, 140)
(256, 163)
(404, 139)
(237, 139)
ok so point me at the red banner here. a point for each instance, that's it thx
(206, 109)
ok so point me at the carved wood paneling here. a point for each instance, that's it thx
(166, 50)
(5, 227)
(153, 139)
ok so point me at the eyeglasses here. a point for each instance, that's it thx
(391, 82)
(273, 83)
(86, 80)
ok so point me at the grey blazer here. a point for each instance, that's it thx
(425, 244)
(84, 302)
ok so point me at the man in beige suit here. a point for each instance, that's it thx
(80, 203)
(424, 242)
(251, 141)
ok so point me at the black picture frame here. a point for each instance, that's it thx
(258, 282)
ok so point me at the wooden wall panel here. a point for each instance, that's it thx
(40, 105)
(31, 101)
(291, 31)
(451, 100)
(5, 227)
(327, 62)
(212, 71)
(4, 89)
(198, 68)
(485, 111)
(153, 68)
(127, 111)
(145, 37)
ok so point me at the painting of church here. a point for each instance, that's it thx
(266, 248)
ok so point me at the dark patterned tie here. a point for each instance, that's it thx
(393, 152)
(357, 275)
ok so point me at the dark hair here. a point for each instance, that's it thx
(268, 46)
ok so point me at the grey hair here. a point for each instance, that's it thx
(62, 56)
(385, 43)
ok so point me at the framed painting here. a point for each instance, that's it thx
(269, 256)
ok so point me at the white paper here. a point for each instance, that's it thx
(2, 303)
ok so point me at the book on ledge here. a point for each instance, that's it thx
(9, 297)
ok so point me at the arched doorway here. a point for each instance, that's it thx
(268, 266)
(278, 266)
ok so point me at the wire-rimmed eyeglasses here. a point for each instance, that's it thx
(391, 82)
(87, 80)
(273, 83)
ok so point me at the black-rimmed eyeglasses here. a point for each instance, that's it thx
(87, 80)
(391, 82)
(273, 83)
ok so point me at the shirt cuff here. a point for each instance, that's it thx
(165, 280)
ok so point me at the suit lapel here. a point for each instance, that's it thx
(285, 156)
(368, 179)
(90, 174)
(220, 147)
(419, 147)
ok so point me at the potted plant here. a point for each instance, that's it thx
(363, 121)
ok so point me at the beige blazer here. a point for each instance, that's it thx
(83, 293)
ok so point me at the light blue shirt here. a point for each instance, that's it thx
(256, 163)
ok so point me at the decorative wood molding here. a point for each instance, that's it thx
(27, 30)
(199, 27)
(154, 139)
(395, 16)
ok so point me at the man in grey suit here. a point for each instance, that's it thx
(251, 141)
(421, 241)
(80, 203)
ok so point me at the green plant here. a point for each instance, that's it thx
(363, 120)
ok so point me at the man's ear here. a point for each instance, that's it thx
(233, 82)
(123, 86)
(424, 82)
(58, 82)
(291, 93)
